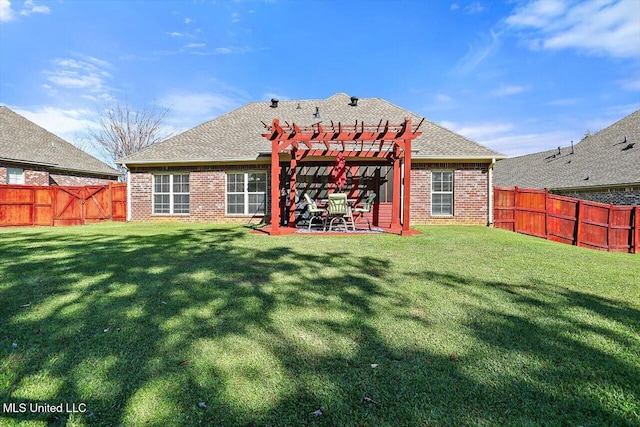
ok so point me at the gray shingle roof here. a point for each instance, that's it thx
(237, 135)
(605, 158)
(23, 141)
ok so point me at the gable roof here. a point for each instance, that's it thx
(610, 157)
(24, 142)
(237, 135)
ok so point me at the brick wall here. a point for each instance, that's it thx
(207, 194)
(613, 196)
(36, 177)
(470, 197)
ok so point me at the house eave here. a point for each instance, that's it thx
(595, 187)
(465, 159)
(189, 162)
(54, 167)
(27, 162)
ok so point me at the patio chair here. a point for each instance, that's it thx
(339, 210)
(359, 212)
(314, 211)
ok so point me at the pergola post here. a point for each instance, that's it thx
(397, 182)
(292, 187)
(407, 184)
(275, 188)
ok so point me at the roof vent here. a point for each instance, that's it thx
(354, 101)
(298, 107)
(274, 103)
(317, 113)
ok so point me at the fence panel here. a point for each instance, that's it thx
(562, 224)
(567, 220)
(504, 214)
(42, 206)
(22, 205)
(17, 206)
(119, 202)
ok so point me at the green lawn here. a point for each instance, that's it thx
(162, 324)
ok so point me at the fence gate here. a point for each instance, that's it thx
(81, 205)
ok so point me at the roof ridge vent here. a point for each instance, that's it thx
(354, 101)
(274, 103)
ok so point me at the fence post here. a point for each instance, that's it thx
(579, 223)
(32, 220)
(515, 209)
(635, 229)
(609, 218)
(546, 213)
(110, 201)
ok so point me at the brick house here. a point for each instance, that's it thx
(603, 167)
(30, 155)
(220, 170)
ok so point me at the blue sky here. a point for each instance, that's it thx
(516, 76)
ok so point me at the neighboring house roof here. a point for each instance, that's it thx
(236, 136)
(608, 158)
(24, 142)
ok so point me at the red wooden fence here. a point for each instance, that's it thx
(56, 205)
(567, 220)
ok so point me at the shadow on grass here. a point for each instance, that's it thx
(142, 328)
(581, 351)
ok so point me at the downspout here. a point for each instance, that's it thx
(493, 162)
(128, 193)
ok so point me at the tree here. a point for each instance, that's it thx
(123, 130)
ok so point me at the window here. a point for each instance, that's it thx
(246, 193)
(15, 176)
(171, 194)
(442, 193)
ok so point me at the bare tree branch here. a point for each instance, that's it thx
(123, 131)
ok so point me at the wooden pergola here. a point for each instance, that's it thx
(383, 141)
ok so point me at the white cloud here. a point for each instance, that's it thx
(442, 98)
(69, 124)
(632, 84)
(508, 90)
(30, 7)
(176, 34)
(191, 108)
(473, 8)
(194, 45)
(62, 122)
(478, 53)
(515, 144)
(6, 13)
(604, 27)
(479, 130)
(87, 75)
(564, 102)
(508, 139)
(188, 20)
